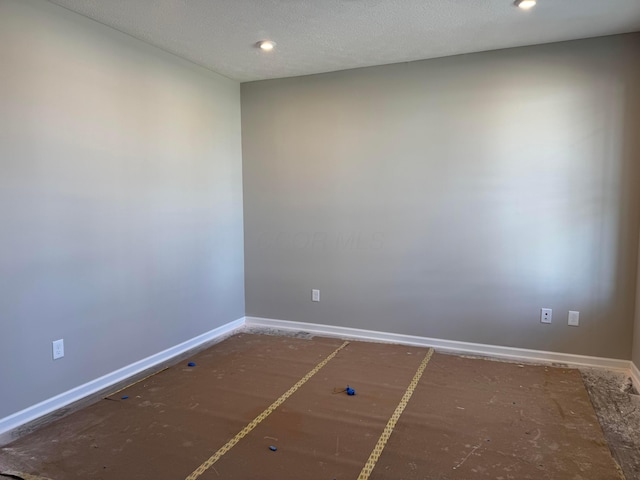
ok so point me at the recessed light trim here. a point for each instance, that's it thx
(525, 4)
(266, 45)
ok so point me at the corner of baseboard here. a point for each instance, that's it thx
(15, 425)
(12, 426)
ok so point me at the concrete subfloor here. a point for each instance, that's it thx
(617, 406)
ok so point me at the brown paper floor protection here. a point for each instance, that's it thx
(322, 435)
(171, 421)
(467, 419)
(480, 419)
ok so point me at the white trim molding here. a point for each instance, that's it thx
(507, 353)
(29, 414)
(635, 376)
(12, 423)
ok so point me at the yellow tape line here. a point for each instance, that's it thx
(384, 437)
(254, 423)
(137, 381)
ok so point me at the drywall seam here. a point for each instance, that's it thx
(11, 423)
(508, 353)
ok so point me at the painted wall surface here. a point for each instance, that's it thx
(451, 198)
(120, 201)
(636, 328)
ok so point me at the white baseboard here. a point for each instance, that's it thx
(23, 417)
(635, 376)
(14, 421)
(508, 353)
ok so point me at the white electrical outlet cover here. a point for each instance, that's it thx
(315, 295)
(574, 318)
(546, 315)
(58, 349)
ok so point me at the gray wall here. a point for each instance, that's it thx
(451, 198)
(120, 200)
(636, 329)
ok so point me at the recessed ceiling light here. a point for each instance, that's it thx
(525, 4)
(266, 45)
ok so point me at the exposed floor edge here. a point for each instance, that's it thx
(635, 376)
(509, 353)
(21, 476)
(11, 424)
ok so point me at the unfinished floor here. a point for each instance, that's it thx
(466, 418)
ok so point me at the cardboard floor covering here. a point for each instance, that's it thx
(468, 418)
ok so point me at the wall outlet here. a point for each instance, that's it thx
(574, 318)
(315, 295)
(58, 349)
(546, 314)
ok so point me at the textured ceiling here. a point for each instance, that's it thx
(315, 36)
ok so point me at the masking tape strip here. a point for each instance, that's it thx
(137, 381)
(256, 421)
(384, 437)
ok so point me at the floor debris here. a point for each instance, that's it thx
(617, 405)
(21, 476)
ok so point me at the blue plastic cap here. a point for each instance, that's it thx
(273, 448)
(191, 364)
(125, 397)
(350, 391)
